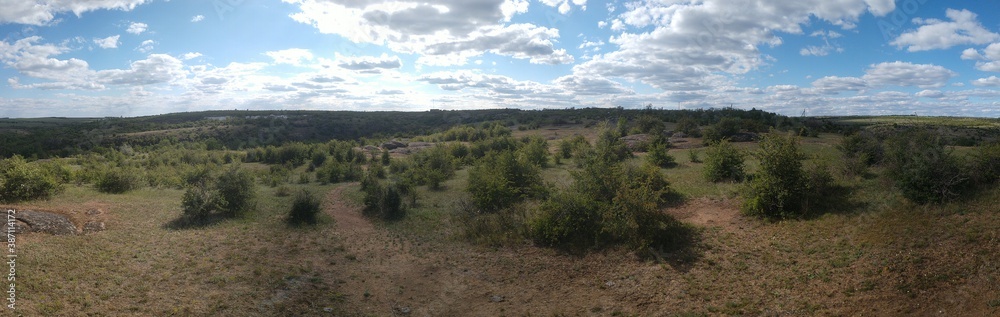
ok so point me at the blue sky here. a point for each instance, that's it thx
(824, 57)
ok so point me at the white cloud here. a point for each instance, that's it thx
(292, 56)
(988, 60)
(108, 42)
(370, 63)
(564, 5)
(137, 28)
(992, 81)
(197, 18)
(190, 56)
(834, 84)
(908, 75)
(592, 86)
(155, 69)
(937, 34)
(43, 12)
(146, 46)
(36, 61)
(684, 45)
(443, 32)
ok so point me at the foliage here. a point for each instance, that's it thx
(647, 123)
(536, 151)
(859, 151)
(431, 167)
(658, 156)
(119, 180)
(986, 164)
(723, 161)
(778, 189)
(922, 168)
(236, 191)
(383, 198)
(20, 180)
(305, 207)
(693, 156)
(199, 202)
(501, 179)
(689, 126)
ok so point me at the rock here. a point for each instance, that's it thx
(94, 212)
(47, 222)
(328, 309)
(391, 145)
(679, 135)
(496, 298)
(93, 226)
(371, 148)
(637, 142)
(403, 310)
(743, 137)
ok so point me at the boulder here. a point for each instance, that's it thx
(637, 142)
(40, 221)
(392, 145)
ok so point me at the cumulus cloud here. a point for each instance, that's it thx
(370, 63)
(693, 45)
(190, 56)
(908, 75)
(35, 60)
(988, 60)
(592, 85)
(43, 12)
(964, 28)
(146, 46)
(137, 28)
(992, 81)
(564, 5)
(292, 56)
(443, 32)
(155, 69)
(108, 42)
(197, 18)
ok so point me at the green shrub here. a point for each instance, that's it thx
(922, 169)
(658, 156)
(723, 161)
(986, 164)
(693, 156)
(20, 181)
(119, 180)
(567, 219)
(689, 126)
(777, 190)
(536, 151)
(305, 207)
(859, 151)
(501, 179)
(199, 202)
(383, 199)
(236, 191)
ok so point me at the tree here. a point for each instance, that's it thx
(236, 191)
(778, 189)
(501, 179)
(723, 161)
(20, 180)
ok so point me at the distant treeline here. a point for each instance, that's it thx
(237, 130)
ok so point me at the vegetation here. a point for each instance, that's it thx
(723, 161)
(501, 179)
(304, 209)
(778, 189)
(923, 169)
(22, 181)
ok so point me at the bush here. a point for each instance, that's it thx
(536, 151)
(199, 202)
(723, 161)
(304, 208)
(20, 181)
(777, 190)
(499, 180)
(119, 180)
(922, 169)
(567, 219)
(236, 191)
(383, 199)
(658, 156)
(859, 151)
(693, 156)
(986, 164)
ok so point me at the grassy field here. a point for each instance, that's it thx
(873, 253)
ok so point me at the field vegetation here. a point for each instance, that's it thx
(508, 212)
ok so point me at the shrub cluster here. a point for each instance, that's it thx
(501, 179)
(231, 194)
(20, 180)
(922, 168)
(383, 199)
(776, 191)
(723, 161)
(119, 180)
(305, 207)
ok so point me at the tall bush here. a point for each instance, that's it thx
(922, 168)
(723, 161)
(777, 190)
(20, 181)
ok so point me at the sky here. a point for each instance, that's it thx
(100, 58)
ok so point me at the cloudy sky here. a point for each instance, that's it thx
(824, 57)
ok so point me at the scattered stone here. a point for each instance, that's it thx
(403, 310)
(47, 222)
(609, 283)
(93, 226)
(328, 309)
(94, 212)
(496, 298)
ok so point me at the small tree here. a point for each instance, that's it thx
(236, 191)
(658, 155)
(777, 190)
(305, 207)
(922, 169)
(723, 161)
(119, 180)
(501, 179)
